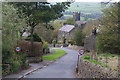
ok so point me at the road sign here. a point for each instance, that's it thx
(18, 49)
(81, 51)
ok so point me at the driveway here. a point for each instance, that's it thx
(61, 68)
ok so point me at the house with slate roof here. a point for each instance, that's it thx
(67, 31)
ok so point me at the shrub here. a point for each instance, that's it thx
(70, 21)
(45, 44)
(15, 66)
(24, 63)
(36, 38)
(86, 57)
(45, 47)
(108, 43)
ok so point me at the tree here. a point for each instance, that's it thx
(89, 26)
(108, 40)
(37, 12)
(70, 21)
(12, 25)
(57, 24)
(79, 37)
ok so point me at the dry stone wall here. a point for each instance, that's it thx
(90, 70)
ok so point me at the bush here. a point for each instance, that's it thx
(79, 37)
(86, 57)
(36, 38)
(24, 63)
(45, 47)
(70, 21)
(108, 43)
(45, 44)
(15, 66)
(26, 48)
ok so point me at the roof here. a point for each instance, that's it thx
(67, 28)
(81, 22)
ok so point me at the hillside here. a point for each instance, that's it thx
(89, 10)
(87, 7)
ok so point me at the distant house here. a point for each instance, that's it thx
(67, 31)
(80, 24)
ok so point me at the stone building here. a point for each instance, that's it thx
(67, 31)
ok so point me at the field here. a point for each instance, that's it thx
(90, 11)
(88, 7)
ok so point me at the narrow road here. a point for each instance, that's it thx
(61, 68)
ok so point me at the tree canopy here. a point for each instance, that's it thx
(38, 12)
(109, 38)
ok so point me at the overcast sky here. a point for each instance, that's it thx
(83, 0)
(67, 0)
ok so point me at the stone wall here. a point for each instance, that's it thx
(91, 70)
(74, 47)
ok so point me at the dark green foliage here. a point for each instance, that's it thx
(37, 12)
(11, 25)
(86, 57)
(40, 12)
(79, 37)
(109, 38)
(108, 43)
(36, 38)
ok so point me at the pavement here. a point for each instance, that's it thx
(33, 67)
(63, 67)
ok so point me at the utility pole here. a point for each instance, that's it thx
(93, 44)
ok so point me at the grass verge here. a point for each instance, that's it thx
(94, 61)
(58, 53)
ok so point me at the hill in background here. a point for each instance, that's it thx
(89, 10)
